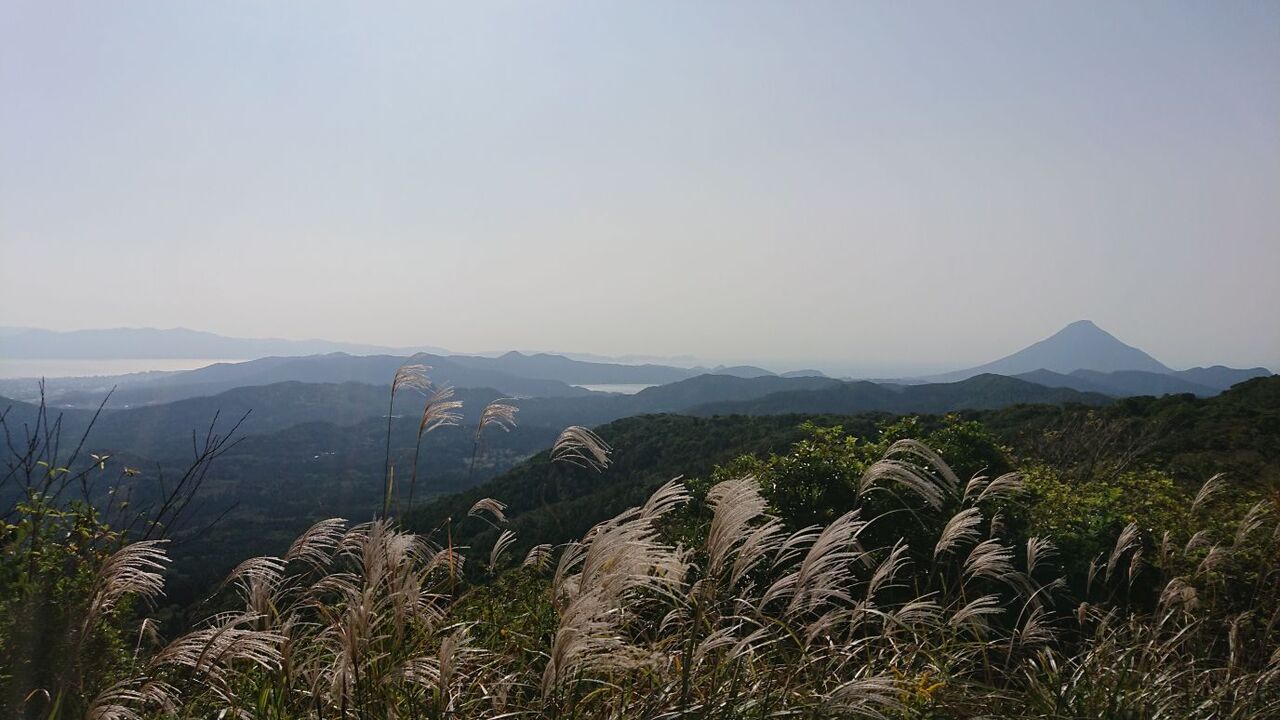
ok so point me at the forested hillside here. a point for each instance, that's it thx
(1191, 439)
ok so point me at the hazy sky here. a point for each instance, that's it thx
(865, 185)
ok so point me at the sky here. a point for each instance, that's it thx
(863, 186)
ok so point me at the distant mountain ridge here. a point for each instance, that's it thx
(1080, 357)
(153, 343)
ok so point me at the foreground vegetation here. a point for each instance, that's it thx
(852, 572)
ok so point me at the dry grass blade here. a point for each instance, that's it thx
(579, 446)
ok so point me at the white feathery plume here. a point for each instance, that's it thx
(132, 570)
(824, 574)
(505, 540)
(1198, 540)
(923, 611)
(888, 569)
(131, 698)
(441, 410)
(615, 561)
(1005, 486)
(1210, 488)
(579, 446)
(1212, 559)
(500, 413)
(975, 613)
(735, 504)
(1127, 539)
(1038, 550)
(413, 377)
(214, 650)
(906, 475)
(1179, 592)
(267, 570)
(316, 546)
(974, 488)
(962, 527)
(991, 560)
(876, 696)
(1252, 521)
(735, 533)
(495, 508)
(537, 556)
(1036, 630)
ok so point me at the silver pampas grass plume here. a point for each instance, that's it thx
(412, 377)
(441, 410)
(579, 446)
(500, 413)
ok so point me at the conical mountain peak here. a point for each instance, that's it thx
(1081, 345)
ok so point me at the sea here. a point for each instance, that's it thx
(621, 388)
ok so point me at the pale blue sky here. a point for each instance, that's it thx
(863, 185)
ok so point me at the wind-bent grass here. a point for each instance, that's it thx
(752, 621)
(579, 446)
(500, 413)
(441, 410)
(413, 377)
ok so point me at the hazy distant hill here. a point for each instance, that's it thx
(1122, 383)
(128, 343)
(574, 372)
(983, 392)
(331, 368)
(164, 429)
(1220, 377)
(802, 373)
